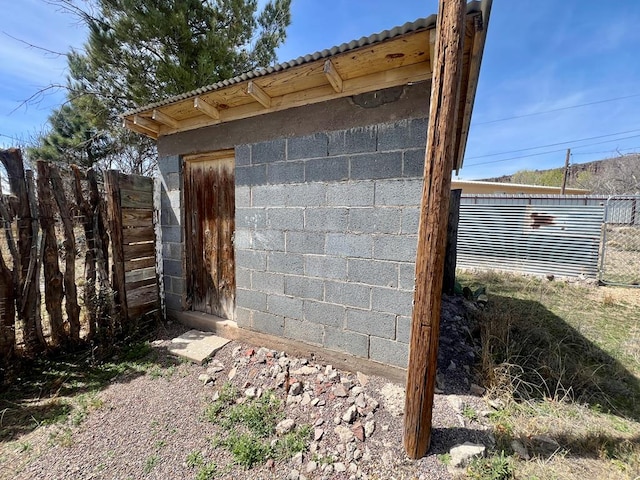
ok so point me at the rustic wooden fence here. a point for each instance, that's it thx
(77, 257)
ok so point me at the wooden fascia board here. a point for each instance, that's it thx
(389, 78)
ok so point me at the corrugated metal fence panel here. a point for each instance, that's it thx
(540, 239)
(624, 211)
(491, 199)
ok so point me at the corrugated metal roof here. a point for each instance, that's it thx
(409, 27)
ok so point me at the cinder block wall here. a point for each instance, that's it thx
(326, 236)
(171, 230)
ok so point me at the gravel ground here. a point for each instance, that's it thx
(148, 423)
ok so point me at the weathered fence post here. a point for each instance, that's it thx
(70, 290)
(89, 290)
(24, 267)
(451, 255)
(112, 187)
(53, 281)
(439, 161)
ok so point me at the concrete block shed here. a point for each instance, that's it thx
(290, 195)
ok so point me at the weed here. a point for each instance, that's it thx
(84, 404)
(24, 447)
(62, 437)
(495, 467)
(136, 351)
(324, 459)
(292, 443)
(608, 300)
(469, 413)
(259, 415)
(247, 449)
(150, 463)
(160, 444)
(207, 472)
(227, 395)
(195, 459)
(445, 458)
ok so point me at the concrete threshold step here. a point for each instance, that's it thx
(197, 346)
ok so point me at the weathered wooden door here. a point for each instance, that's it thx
(209, 199)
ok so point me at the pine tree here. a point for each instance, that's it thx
(140, 51)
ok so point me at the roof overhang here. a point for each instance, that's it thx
(392, 58)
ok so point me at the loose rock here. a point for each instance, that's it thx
(351, 414)
(295, 389)
(285, 426)
(369, 428)
(344, 434)
(461, 455)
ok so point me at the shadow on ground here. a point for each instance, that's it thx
(43, 393)
(533, 354)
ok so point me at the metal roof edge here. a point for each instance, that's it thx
(424, 23)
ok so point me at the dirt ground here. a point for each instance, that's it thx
(146, 424)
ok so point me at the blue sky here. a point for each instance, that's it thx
(543, 59)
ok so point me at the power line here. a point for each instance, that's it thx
(556, 109)
(547, 152)
(607, 151)
(554, 144)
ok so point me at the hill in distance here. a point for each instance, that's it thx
(611, 176)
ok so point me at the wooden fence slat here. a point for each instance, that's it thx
(136, 182)
(130, 286)
(145, 308)
(138, 250)
(142, 295)
(136, 199)
(141, 274)
(138, 234)
(139, 263)
(136, 218)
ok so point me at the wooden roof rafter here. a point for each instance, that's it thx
(389, 59)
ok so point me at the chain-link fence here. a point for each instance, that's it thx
(620, 256)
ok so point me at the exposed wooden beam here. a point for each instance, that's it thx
(165, 119)
(206, 108)
(259, 94)
(390, 78)
(479, 36)
(139, 128)
(333, 76)
(146, 124)
(433, 35)
(432, 227)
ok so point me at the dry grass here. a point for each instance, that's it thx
(565, 361)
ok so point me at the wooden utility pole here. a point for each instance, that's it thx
(439, 162)
(566, 172)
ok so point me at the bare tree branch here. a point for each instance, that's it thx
(35, 47)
